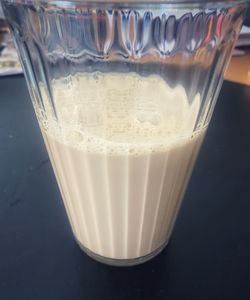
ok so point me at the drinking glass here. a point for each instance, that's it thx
(123, 92)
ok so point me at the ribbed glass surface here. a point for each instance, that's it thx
(187, 47)
(123, 93)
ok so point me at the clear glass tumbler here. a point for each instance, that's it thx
(123, 92)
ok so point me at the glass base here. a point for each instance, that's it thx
(122, 262)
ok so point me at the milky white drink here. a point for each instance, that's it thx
(122, 151)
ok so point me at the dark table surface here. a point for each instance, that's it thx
(209, 253)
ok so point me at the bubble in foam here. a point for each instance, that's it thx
(75, 136)
(96, 77)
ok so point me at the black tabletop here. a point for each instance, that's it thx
(209, 253)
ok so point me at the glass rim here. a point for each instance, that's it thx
(156, 4)
(170, 2)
